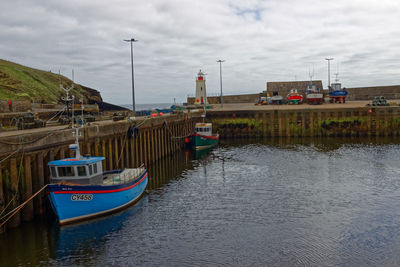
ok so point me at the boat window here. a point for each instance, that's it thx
(53, 172)
(95, 168)
(66, 171)
(81, 171)
(90, 170)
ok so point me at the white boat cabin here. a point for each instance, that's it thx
(203, 128)
(85, 170)
(336, 86)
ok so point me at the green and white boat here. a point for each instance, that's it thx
(203, 137)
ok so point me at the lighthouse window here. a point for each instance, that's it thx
(66, 171)
(81, 171)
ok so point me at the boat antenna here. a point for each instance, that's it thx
(204, 114)
(81, 100)
(337, 72)
(76, 134)
(311, 75)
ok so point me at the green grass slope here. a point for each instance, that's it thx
(19, 82)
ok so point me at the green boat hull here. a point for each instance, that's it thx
(204, 142)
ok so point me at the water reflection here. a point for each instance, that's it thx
(88, 238)
(278, 202)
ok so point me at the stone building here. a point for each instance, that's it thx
(283, 88)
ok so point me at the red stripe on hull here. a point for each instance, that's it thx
(207, 136)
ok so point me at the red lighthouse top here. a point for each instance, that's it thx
(200, 75)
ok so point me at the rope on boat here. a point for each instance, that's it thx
(17, 209)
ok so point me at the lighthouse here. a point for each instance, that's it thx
(201, 95)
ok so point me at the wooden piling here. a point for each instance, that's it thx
(62, 153)
(136, 149)
(128, 161)
(153, 144)
(116, 152)
(16, 219)
(96, 147)
(141, 147)
(27, 212)
(103, 152)
(148, 148)
(2, 204)
(39, 162)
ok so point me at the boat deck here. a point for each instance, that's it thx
(122, 177)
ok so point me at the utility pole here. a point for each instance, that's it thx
(220, 79)
(133, 80)
(329, 71)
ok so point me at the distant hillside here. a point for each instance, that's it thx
(18, 82)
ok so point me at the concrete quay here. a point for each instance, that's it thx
(327, 120)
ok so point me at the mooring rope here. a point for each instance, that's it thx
(17, 209)
(19, 176)
(27, 142)
(9, 155)
(126, 135)
(62, 111)
(176, 137)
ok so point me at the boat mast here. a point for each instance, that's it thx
(76, 145)
(310, 75)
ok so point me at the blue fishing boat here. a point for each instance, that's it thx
(336, 93)
(80, 190)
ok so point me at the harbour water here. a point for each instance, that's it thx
(326, 202)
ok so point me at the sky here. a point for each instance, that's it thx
(260, 41)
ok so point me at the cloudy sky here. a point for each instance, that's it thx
(273, 40)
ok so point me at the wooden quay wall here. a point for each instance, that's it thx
(24, 155)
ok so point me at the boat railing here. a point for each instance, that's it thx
(130, 174)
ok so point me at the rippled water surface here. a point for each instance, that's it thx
(274, 203)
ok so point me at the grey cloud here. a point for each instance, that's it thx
(260, 41)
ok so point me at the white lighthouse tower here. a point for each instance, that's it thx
(201, 95)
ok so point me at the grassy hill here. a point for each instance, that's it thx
(18, 82)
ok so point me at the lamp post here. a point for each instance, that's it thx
(133, 79)
(329, 71)
(220, 79)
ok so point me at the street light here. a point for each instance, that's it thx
(220, 79)
(329, 71)
(133, 81)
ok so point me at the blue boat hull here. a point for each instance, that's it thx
(338, 93)
(75, 203)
